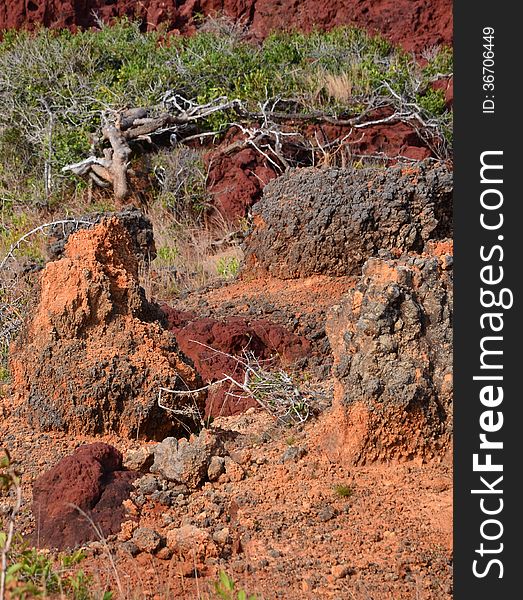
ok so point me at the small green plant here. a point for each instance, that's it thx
(343, 490)
(228, 267)
(225, 589)
(167, 253)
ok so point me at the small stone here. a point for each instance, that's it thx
(147, 485)
(178, 489)
(126, 531)
(147, 540)
(222, 536)
(233, 470)
(340, 571)
(164, 553)
(216, 467)
(96, 548)
(326, 513)
(130, 547)
(184, 461)
(242, 457)
(162, 497)
(293, 453)
(191, 543)
(139, 460)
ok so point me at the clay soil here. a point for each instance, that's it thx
(293, 535)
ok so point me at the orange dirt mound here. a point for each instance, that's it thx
(91, 358)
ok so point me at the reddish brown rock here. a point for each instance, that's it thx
(413, 24)
(91, 358)
(236, 181)
(90, 481)
(207, 342)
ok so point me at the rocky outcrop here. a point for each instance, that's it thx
(88, 485)
(331, 221)
(91, 357)
(392, 343)
(413, 24)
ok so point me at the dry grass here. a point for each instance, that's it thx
(189, 254)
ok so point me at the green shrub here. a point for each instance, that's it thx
(228, 267)
(225, 589)
(54, 85)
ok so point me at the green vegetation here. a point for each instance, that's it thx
(344, 491)
(228, 267)
(225, 589)
(54, 86)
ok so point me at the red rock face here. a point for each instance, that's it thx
(90, 479)
(413, 24)
(206, 342)
(236, 182)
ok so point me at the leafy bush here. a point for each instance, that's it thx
(54, 85)
(228, 267)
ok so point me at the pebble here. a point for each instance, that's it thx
(147, 540)
(139, 460)
(293, 453)
(222, 536)
(340, 571)
(216, 467)
(326, 513)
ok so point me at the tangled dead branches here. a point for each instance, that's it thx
(178, 120)
(274, 390)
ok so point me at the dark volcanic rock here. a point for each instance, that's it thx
(91, 480)
(91, 358)
(392, 344)
(331, 221)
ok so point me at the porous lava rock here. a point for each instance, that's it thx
(236, 180)
(213, 346)
(86, 485)
(330, 221)
(392, 343)
(138, 226)
(413, 24)
(91, 358)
